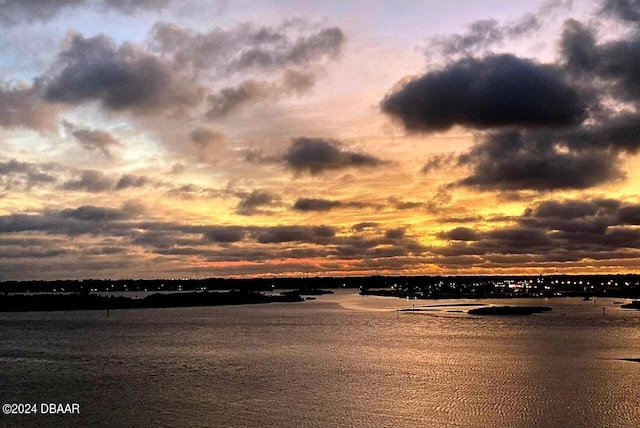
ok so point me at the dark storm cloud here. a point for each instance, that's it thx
(19, 176)
(163, 240)
(119, 228)
(128, 181)
(317, 155)
(498, 90)
(555, 231)
(227, 234)
(397, 233)
(616, 62)
(95, 181)
(72, 221)
(31, 253)
(512, 240)
(572, 158)
(28, 241)
(578, 46)
(629, 215)
(203, 136)
(372, 245)
(93, 139)
(90, 181)
(163, 233)
(16, 11)
(298, 57)
(22, 107)
(123, 223)
(29, 248)
(616, 132)
(121, 78)
(314, 204)
(231, 99)
(247, 47)
(318, 204)
(513, 160)
(547, 142)
(311, 234)
(460, 234)
(572, 209)
(191, 191)
(626, 10)
(93, 213)
(519, 237)
(253, 202)
(355, 248)
(257, 157)
(572, 216)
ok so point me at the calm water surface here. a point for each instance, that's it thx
(341, 360)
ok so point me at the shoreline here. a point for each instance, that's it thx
(78, 302)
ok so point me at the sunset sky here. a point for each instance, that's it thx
(159, 138)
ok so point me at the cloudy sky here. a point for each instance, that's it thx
(160, 138)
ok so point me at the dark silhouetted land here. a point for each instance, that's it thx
(633, 305)
(90, 293)
(509, 310)
(71, 302)
(431, 287)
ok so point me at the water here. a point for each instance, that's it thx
(341, 360)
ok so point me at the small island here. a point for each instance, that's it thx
(509, 310)
(635, 304)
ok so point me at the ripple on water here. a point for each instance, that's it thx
(326, 365)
